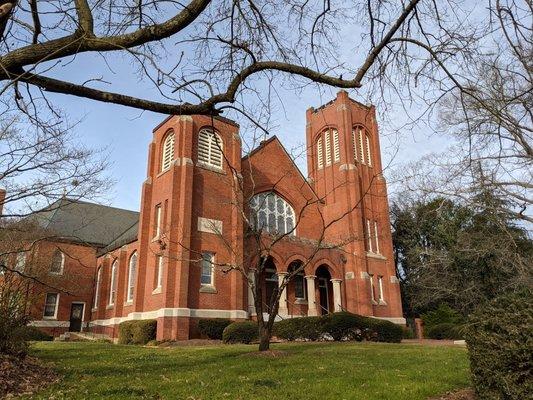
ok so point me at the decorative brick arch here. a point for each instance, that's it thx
(291, 259)
(278, 261)
(332, 268)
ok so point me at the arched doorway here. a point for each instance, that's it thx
(325, 290)
(269, 282)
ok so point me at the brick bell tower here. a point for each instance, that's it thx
(344, 167)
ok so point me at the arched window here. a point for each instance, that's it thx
(327, 139)
(97, 288)
(132, 274)
(272, 213)
(364, 146)
(58, 263)
(113, 283)
(209, 148)
(167, 155)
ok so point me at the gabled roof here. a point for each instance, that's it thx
(274, 140)
(85, 222)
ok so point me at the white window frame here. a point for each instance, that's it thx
(319, 154)
(376, 236)
(158, 216)
(61, 266)
(56, 307)
(97, 288)
(381, 298)
(210, 149)
(167, 154)
(211, 261)
(369, 236)
(301, 276)
(113, 284)
(160, 264)
(132, 276)
(372, 294)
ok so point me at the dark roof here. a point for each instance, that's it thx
(84, 222)
(129, 235)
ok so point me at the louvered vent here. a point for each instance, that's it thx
(209, 148)
(168, 151)
(319, 153)
(361, 146)
(354, 143)
(328, 148)
(336, 150)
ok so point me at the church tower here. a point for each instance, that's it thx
(344, 167)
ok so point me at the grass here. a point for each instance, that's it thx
(366, 371)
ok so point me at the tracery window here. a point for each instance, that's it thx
(273, 214)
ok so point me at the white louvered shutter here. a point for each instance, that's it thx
(354, 143)
(361, 146)
(209, 148)
(319, 155)
(336, 150)
(168, 151)
(368, 154)
(328, 148)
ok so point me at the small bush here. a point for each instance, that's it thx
(31, 333)
(213, 328)
(500, 347)
(442, 314)
(240, 332)
(386, 331)
(125, 332)
(137, 332)
(444, 331)
(143, 331)
(346, 326)
(302, 328)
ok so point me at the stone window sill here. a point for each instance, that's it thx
(300, 301)
(382, 303)
(375, 255)
(157, 290)
(128, 303)
(208, 289)
(109, 307)
(211, 168)
(50, 318)
(374, 302)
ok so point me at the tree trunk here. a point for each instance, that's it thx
(264, 338)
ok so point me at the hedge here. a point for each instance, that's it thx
(444, 331)
(443, 314)
(213, 328)
(30, 333)
(303, 328)
(347, 326)
(339, 326)
(386, 331)
(500, 346)
(137, 331)
(240, 332)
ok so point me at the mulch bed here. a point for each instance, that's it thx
(23, 376)
(463, 394)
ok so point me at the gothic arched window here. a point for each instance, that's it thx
(132, 274)
(167, 155)
(272, 213)
(209, 148)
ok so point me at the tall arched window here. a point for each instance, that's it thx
(209, 148)
(113, 283)
(167, 155)
(326, 140)
(58, 263)
(97, 288)
(132, 274)
(272, 213)
(364, 146)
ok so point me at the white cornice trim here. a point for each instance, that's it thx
(173, 312)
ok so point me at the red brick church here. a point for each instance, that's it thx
(200, 195)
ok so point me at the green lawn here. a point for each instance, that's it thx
(366, 371)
